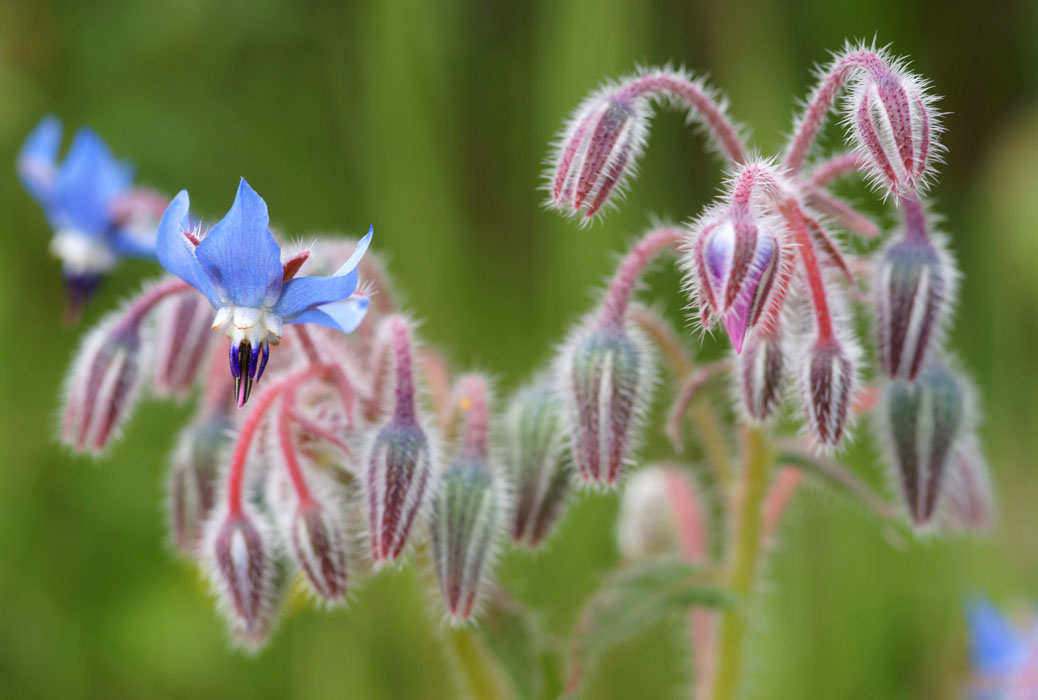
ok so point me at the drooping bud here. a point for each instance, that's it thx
(605, 374)
(103, 385)
(183, 338)
(316, 543)
(535, 459)
(924, 420)
(399, 461)
(891, 119)
(827, 383)
(597, 152)
(761, 374)
(969, 505)
(913, 283)
(661, 514)
(242, 575)
(192, 481)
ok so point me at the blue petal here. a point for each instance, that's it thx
(240, 254)
(88, 180)
(37, 161)
(342, 316)
(304, 293)
(996, 646)
(134, 242)
(177, 253)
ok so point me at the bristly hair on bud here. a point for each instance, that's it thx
(468, 507)
(192, 483)
(922, 423)
(760, 374)
(536, 460)
(914, 287)
(316, 542)
(828, 379)
(661, 514)
(400, 461)
(969, 505)
(183, 338)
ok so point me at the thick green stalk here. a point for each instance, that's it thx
(478, 674)
(744, 562)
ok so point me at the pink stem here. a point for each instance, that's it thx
(147, 301)
(914, 214)
(781, 493)
(839, 210)
(836, 167)
(689, 390)
(794, 216)
(319, 430)
(619, 294)
(699, 101)
(822, 100)
(405, 410)
(295, 472)
(474, 403)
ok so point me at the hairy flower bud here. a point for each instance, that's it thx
(761, 374)
(535, 458)
(661, 514)
(912, 288)
(192, 478)
(597, 152)
(924, 420)
(605, 373)
(315, 540)
(183, 338)
(103, 385)
(969, 504)
(828, 380)
(242, 574)
(892, 120)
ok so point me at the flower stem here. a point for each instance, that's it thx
(794, 216)
(147, 301)
(745, 557)
(477, 673)
(618, 297)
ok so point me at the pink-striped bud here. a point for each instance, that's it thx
(969, 505)
(103, 385)
(192, 478)
(761, 374)
(315, 540)
(605, 373)
(914, 281)
(184, 336)
(661, 514)
(828, 380)
(534, 455)
(892, 120)
(242, 575)
(924, 421)
(399, 461)
(597, 152)
(742, 273)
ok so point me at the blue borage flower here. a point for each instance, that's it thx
(237, 266)
(1005, 659)
(89, 199)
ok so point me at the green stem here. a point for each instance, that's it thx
(744, 564)
(477, 673)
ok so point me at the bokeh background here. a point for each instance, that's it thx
(431, 120)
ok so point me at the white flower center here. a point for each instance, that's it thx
(81, 253)
(245, 324)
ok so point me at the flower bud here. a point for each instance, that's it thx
(242, 574)
(892, 120)
(761, 371)
(192, 478)
(606, 373)
(534, 456)
(660, 515)
(827, 383)
(316, 543)
(597, 152)
(103, 385)
(911, 290)
(183, 338)
(924, 420)
(969, 504)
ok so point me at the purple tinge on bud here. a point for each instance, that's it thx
(924, 420)
(465, 515)
(606, 379)
(827, 383)
(891, 121)
(184, 336)
(534, 457)
(969, 504)
(243, 575)
(911, 289)
(761, 368)
(192, 478)
(399, 467)
(79, 289)
(316, 543)
(103, 385)
(736, 267)
(597, 152)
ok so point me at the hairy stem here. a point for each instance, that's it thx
(794, 216)
(618, 297)
(477, 673)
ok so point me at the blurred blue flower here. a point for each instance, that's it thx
(1005, 659)
(237, 266)
(89, 199)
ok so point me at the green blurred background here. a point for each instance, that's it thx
(431, 121)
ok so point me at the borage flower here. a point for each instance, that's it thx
(97, 215)
(237, 266)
